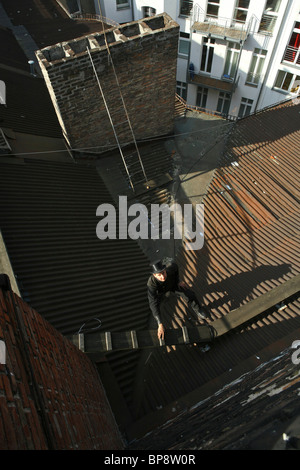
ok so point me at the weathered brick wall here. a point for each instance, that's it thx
(71, 410)
(144, 55)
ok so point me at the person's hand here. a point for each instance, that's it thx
(161, 331)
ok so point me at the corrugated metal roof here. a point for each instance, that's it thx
(156, 160)
(48, 221)
(252, 244)
(252, 206)
(11, 53)
(251, 411)
(28, 109)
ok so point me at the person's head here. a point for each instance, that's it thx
(159, 271)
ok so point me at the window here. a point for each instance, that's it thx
(213, 8)
(245, 107)
(269, 17)
(292, 52)
(241, 10)
(181, 89)
(287, 81)
(185, 7)
(256, 66)
(148, 11)
(74, 6)
(201, 97)
(184, 45)
(223, 103)
(207, 55)
(122, 4)
(272, 6)
(231, 60)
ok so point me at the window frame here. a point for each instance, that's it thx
(207, 54)
(245, 105)
(184, 38)
(212, 3)
(260, 56)
(294, 77)
(224, 100)
(271, 16)
(233, 50)
(181, 89)
(201, 97)
(148, 15)
(240, 9)
(124, 5)
(293, 50)
(188, 4)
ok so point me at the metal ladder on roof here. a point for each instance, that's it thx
(121, 125)
(97, 344)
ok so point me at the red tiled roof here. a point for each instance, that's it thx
(51, 396)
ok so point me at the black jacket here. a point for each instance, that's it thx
(156, 289)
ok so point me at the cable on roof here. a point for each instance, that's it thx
(153, 139)
(91, 328)
(223, 136)
(109, 147)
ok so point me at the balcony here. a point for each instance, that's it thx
(218, 27)
(267, 25)
(224, 83)
(292, 55)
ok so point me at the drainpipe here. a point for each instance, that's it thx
(236, 75)
(274, 50)
(190, 19)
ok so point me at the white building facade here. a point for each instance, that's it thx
(235, 57)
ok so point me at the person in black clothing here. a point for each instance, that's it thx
(163, 281)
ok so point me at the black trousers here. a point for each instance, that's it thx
(186, 294)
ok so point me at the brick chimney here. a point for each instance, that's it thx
(144, 57)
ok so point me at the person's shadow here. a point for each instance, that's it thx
(241, 288)
(229, 294)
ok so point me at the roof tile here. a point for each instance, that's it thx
(69, 389)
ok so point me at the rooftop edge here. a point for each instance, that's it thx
(97, 41)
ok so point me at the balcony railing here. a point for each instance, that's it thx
(253, 78)
(189, 107)
(267, 24)
(292, 55)
(217, 26)
(93, 17)
(222, 83)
